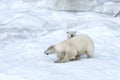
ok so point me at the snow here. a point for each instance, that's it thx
(108, 7)
(72, 5)
(26, 33)
(102, 6)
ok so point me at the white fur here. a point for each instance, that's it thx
(73, 48)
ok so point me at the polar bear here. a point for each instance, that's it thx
(72, 49)
(71, 34)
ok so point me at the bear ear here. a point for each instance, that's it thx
(67, 32)
(51, 47)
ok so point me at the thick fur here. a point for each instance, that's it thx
(72, 48)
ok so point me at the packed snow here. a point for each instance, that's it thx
(26, 33)
(108, 7)
(102, 6)
(24, 38)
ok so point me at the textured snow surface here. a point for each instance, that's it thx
(25, 34)
(102, 6)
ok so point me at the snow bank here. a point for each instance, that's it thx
(26, 30)
(103, 6)
(72, 5)
(22, 4)
(108, 7)
(25, 34)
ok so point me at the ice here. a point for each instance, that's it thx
(108, 7)
(102, 6)
(72, 5)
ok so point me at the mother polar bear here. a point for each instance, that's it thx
(72, 49)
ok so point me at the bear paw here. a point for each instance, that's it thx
(58, 61)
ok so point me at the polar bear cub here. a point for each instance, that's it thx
(72, 48)
(71, 34)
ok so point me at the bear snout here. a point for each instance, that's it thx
(46, 53)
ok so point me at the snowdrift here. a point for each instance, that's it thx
(27, 28)
(102, 6)
(25, 34)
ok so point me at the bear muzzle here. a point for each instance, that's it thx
(46, 53)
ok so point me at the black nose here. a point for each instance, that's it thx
(46, 53)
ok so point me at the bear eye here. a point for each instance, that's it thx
(71, 35)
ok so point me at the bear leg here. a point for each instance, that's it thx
(60, 57)
(90, 51)
(70, 55)
(65, 59)
(89, 54)
(57, 61)
(61, 60)
(77, 57)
